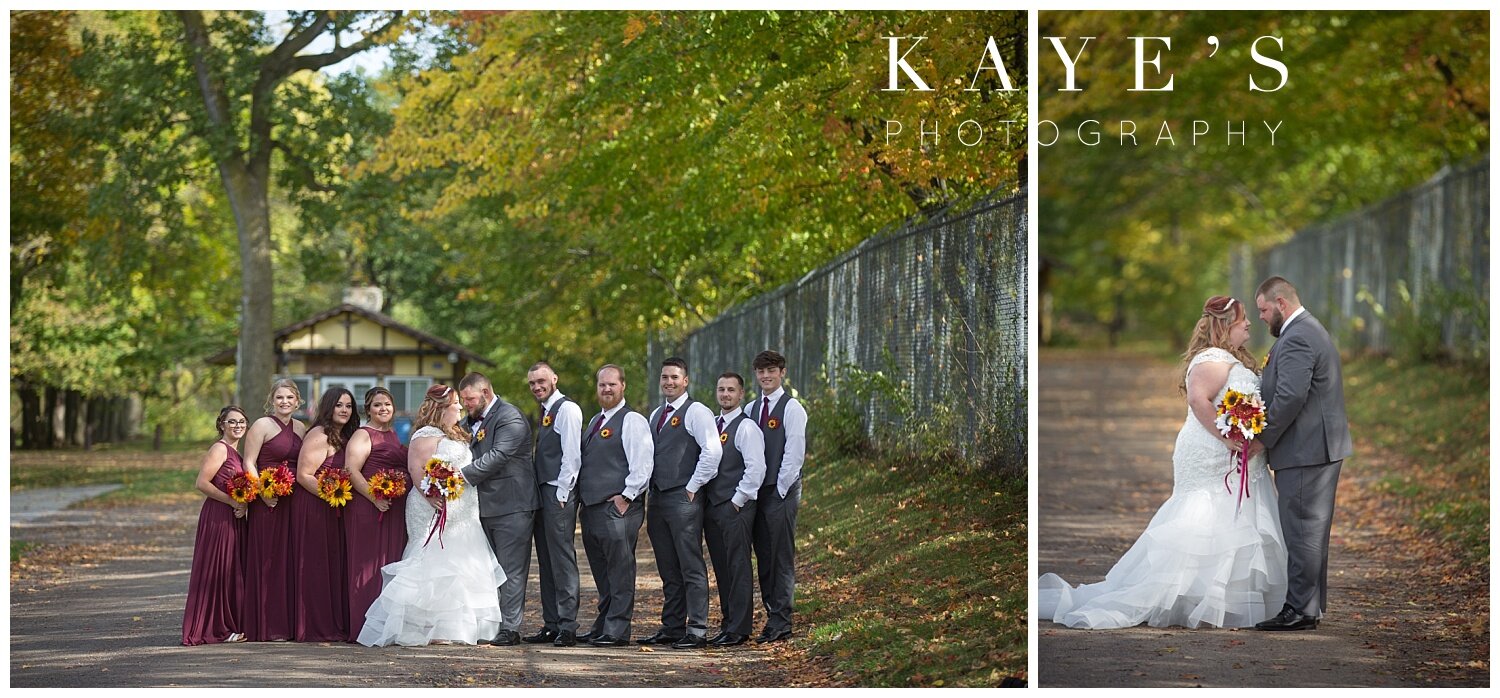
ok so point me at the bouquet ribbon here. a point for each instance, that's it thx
(438, 523)
(1243, 468)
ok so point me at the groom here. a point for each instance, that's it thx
(505, 482)
(1306, 439)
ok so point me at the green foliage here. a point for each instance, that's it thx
(1435, 417)
(1153, 225)
(918, 575)
(593, 177)
(19, 548)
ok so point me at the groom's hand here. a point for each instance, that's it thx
(621, 503)
(1255, 448)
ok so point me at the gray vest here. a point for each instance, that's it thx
(603, 470)
(775, 438)
(731, 467)
(547, 450)
(676, 450)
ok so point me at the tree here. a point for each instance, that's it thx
(231, 73)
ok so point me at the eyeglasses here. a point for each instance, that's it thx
(235, 422)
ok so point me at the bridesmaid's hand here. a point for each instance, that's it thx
(382, 504)
(269, 499)
(239, 510)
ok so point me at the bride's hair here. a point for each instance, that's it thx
(430, 414)
(1212, 330)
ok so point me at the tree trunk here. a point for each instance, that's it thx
(72, 418)
(30, 408)
(52, 412)
(255, 356)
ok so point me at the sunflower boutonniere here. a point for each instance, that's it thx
(1265, 361)
(605, 433)
(479, 435)
(773, 423)
(547, 420)
(676, 421)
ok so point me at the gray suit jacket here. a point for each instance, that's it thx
(1303, 388)
(502, 471)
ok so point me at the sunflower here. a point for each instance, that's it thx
(772, 424)
(547, 421)
(1232, 398)
(342, 493)
(724, 438)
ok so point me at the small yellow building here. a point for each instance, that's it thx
(357, 348)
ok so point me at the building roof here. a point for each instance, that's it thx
(227, 356)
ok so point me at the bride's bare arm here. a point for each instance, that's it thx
(1204, 382)
(421, 450)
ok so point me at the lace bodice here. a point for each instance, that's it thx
(460, 511)
(1200, 460)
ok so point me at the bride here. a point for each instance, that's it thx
(1199, 562)
(442, 590)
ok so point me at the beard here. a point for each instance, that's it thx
(1277, 320)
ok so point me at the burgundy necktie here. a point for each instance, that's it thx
(543, 416)
(721, 424)
(663, 418)
(598, 422)
(765, 410)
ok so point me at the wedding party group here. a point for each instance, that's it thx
(340, 533)
(1230, 548)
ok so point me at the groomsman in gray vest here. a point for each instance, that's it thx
(687, 457)
(555, 456)
(616, 463)
(1306, 439)
(505, 484)
(784, 424)
(731, 511)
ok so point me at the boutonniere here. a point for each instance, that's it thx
(479, 435)
(605, 433)
(773, 423)
(724, 438)
(676, 421)
(547, 421)
(1265, 361)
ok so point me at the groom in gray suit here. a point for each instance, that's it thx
(1306, 439)
(505, 482)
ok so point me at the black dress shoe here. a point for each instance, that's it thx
(728, 640)
(1288, 619)
(543, 635)
(506, 638)
(587, 637)
(660, 638)
(565, 638)
(718, 637)
(769, 636)
(609, 641)
(690, 642)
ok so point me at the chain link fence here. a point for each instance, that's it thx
(1411, 272)
(933, 310)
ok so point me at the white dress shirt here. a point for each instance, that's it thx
(752, 447)
(640, 450)
(795, 423)
(568, 423)
(700, 424)
(1293, 316)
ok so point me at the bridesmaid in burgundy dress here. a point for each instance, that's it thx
(214, 600)
(372, 539)
(321, 610)
(274, 440)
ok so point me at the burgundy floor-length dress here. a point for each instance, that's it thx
(270, 586)
(215, 585)
(372, 541)
(321, 610)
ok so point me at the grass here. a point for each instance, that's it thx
(147, 476)
(918, 572)
(19, 548)
(1435, 419)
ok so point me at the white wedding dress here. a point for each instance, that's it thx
(1197, 563)
(439, 591)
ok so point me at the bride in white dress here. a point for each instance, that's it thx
(1199, 563)
(440, 591)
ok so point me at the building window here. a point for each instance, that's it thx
(407, 393)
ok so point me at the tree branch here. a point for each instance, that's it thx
(215, 99)
(673, 289)
(323, 60)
